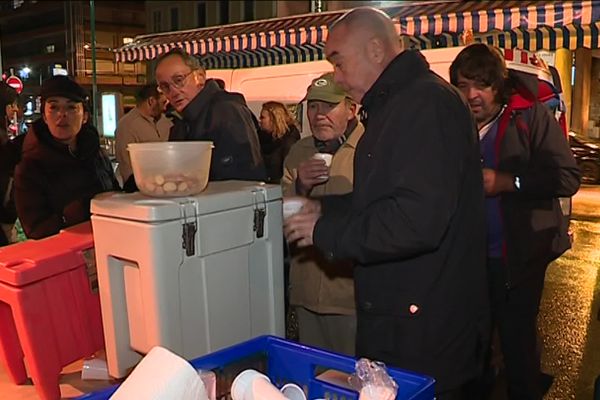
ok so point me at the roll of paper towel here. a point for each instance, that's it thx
(162, 375)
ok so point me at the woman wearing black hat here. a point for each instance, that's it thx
(63, 166)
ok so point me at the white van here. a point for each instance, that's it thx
(288, 83)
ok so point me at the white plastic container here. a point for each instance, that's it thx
(171, 169)
(193, 275)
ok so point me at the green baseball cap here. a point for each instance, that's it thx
(325, 89)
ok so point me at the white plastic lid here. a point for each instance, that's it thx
(179, 146)
(218, 196)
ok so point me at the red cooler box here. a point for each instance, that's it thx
(49, 307)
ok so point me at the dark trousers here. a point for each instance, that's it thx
(514, 314)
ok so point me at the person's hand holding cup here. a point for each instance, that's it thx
(312, 172)
(300, 217)
(293, 205)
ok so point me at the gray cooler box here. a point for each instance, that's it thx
(193, 274)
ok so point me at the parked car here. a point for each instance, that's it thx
(587, 155)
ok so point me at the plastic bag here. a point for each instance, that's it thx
(372, 381)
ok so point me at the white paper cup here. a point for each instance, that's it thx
(243, 383)
(291, 207)
(325, 157)
(263, 390)
(291, 391)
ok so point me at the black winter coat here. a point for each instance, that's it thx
(415, 226)
(53, 188)
(10, 153)
(225, 119)
(274, 151)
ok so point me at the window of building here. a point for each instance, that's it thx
(49, 48)
(156, 21)
(249, 10)
(128, 67)
(102, 66)
(127, 40)
(201, 14)
(224, 12)
(174, 19)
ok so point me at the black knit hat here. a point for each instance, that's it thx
(63, 86)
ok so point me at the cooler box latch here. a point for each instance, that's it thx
(259, 196)
(189, 219)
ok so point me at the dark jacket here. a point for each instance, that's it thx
(6, 214)
(53, 188)
(225, 119)
(7, 165)
(539, 153)
(415, 226)
(274, 151)
(10, 154)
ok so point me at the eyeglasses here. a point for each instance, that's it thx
(177, 82)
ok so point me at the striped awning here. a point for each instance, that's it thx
(542, 38)
(291, 32)
(486, 16)
(546, 38)
(531, 25)
(277, 55)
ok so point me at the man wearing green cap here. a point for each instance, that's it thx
(321, 291)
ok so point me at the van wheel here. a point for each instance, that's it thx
(590, 172)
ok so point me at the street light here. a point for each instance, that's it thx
(24, 72)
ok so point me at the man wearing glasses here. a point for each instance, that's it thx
(210, 113)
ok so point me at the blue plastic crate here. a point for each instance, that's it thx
(284, 361)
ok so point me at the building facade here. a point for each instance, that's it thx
(166, 16)
(39, 39)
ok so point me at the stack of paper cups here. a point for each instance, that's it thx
(252, 385)
(162, 375)
(292, 391)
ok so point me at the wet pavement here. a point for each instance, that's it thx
(568, 320)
